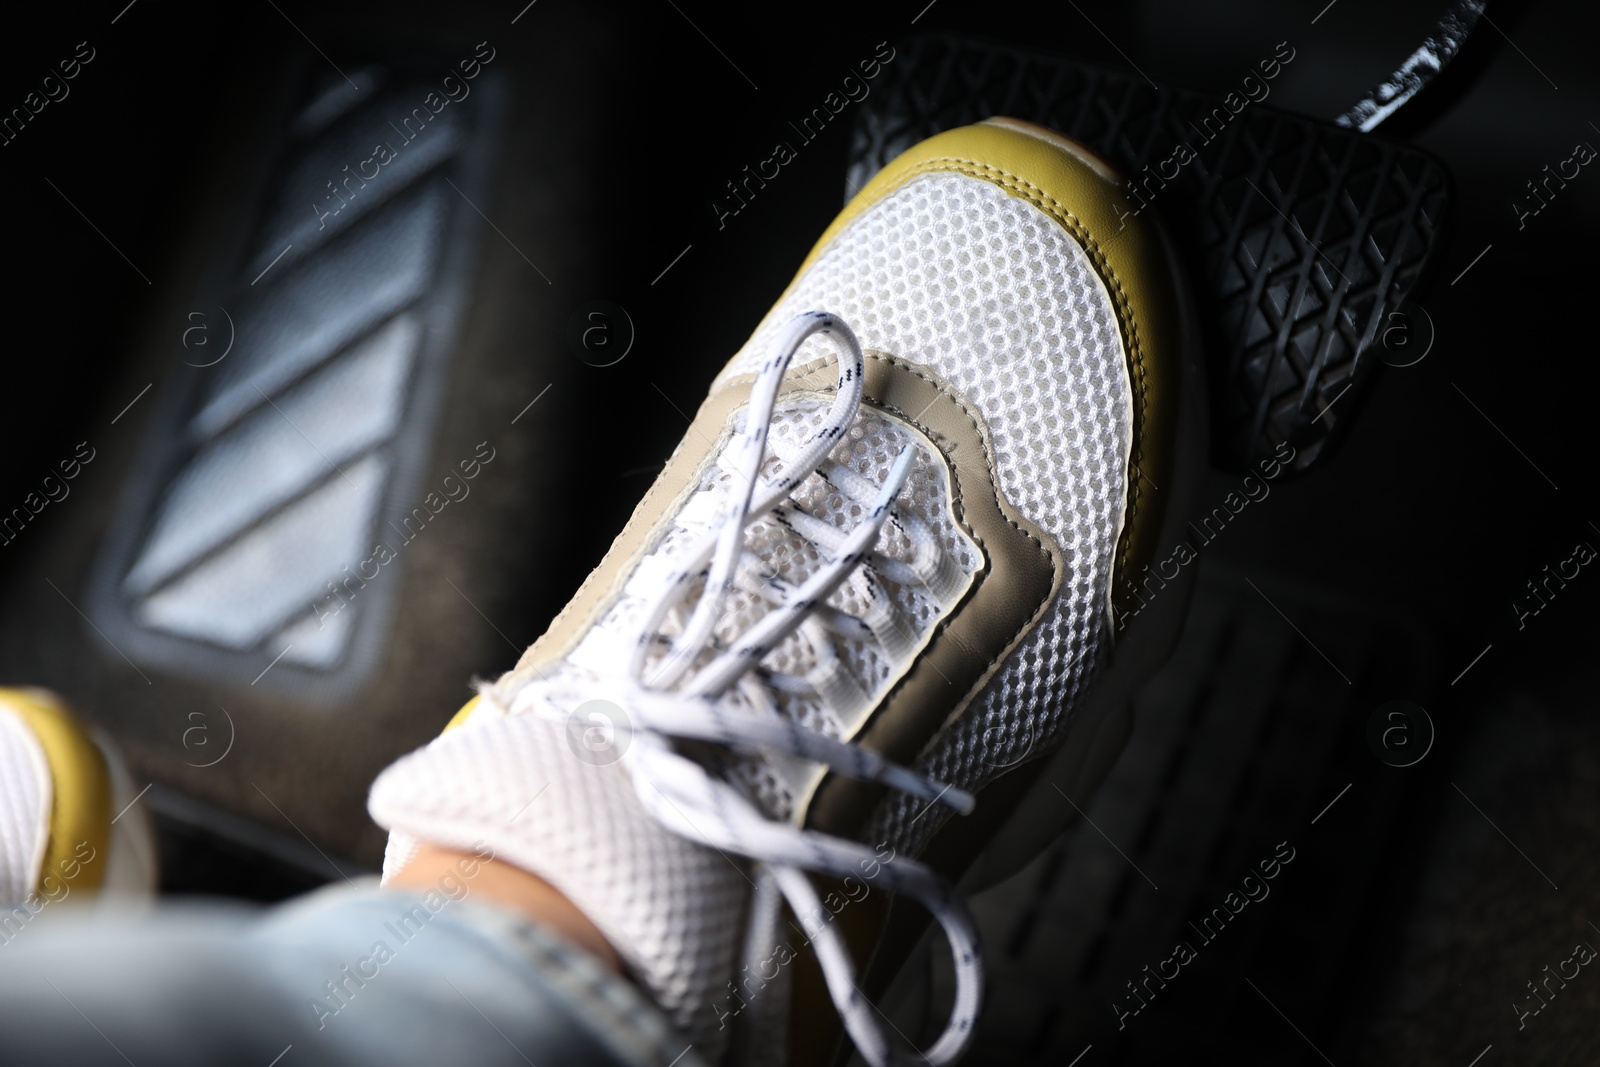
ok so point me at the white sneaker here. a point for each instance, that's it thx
(62, 787)
(893, 563)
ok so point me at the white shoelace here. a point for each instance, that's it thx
(677, 700)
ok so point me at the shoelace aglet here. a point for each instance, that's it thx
(908, 781)
(961, 801)
(899, 473)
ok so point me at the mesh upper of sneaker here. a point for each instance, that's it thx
(994, 297)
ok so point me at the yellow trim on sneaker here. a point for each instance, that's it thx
(1065, 181)
(460, 717)
(80, 809)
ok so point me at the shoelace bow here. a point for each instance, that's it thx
(677, 700)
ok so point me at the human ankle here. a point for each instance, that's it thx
(509, 886)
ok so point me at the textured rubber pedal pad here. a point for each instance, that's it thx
(1302, 238)
(1246, 737)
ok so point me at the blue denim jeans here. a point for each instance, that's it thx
(353, 975)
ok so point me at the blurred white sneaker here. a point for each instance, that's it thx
(62, 788)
